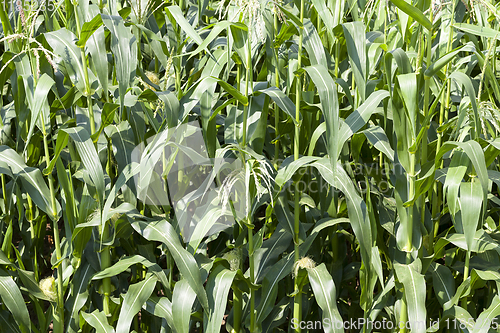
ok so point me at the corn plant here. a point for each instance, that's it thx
(249, 166)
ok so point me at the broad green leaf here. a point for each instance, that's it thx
(98, 320)
(356, 207)
(313, 45)
(215, 30)
(326, 15)
(126, 262)
(203, 226)
(179, 17)
(13, 299)
(162, 231)
(128, 172)
(90, 159)
(470, 201)
(482, 31)
(124, 48)
(442, 282)
(325, 293)
(357, 119)
(270, 251)
(414, 12)
(462, 290)
(286, 172)
(31, 179)
(283, 267)
(182, 302)
(466, 82)
(414, 284)
(283, 102)
(97, 49)
(233, 91)
(62, 42)
(436, 66)
(8, 323)
(475, 154)
(160, 307)
(107, 117)
(484, 321)
(218, 285)
(135, 297)
(354, 33)
(377, 137)
(454, 176)
(79, 294)
(327, 90)
(409, 91)
(39, 105)
(88, 29)
(481, 242)
(318, 132)
(61, 142)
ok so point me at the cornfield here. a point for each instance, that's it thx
(249, 166)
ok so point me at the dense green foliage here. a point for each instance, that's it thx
(367, 184)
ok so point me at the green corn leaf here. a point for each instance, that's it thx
(160, 307)
(99, 57)
(8, 323)
(356, 207)
(482, 31)
(475, 154)
(283, 268)
(313, 45)
(231, 90)
(327, 91)
(414, 12)
(268, 254)
(465, 81)
(436, 66)
(88, 29)
(442, 282)
(470, 201)
(61, 142)
(414, 283)
(183, 299)
(162, 231)
(218, 285)
(179, 17)
(98, 320)
(325, 293)
(482, 242)
(39, 105)
(135, 297)
(483, 322)
(357, 119)
(377, 137)
(62, 42)
(90, 159)
(283, 102)
(354, 33)
(126, 262)
(13, 299)
(408, 89)
(289, 169)
(124, 48)
(79, 294)
(31, 179)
